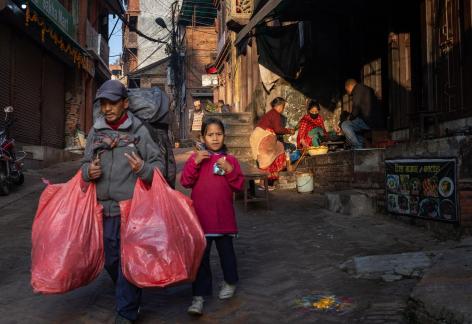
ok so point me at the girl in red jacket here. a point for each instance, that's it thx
(214, 175)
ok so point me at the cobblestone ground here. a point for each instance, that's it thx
(284, 254)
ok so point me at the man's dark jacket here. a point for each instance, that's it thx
(366, 106)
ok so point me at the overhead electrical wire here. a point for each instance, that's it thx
(136, 30)
(143, 61)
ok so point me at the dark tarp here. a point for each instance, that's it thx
(279, 50)
(258, 16)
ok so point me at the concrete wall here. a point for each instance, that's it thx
(459, 147)
(444, 128)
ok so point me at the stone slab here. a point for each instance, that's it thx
(444, 295)
(404, 264)
(350, 202)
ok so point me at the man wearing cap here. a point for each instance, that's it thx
(196, 119)
(119, 150)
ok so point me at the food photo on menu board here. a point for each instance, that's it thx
(422, 188)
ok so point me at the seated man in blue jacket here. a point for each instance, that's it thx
(119, 150)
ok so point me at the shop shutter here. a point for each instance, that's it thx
(5, 67)
(26, 92)
(53, 103)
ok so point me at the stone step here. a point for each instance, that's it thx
(237, 140)
(238, 128)
(242, 154)
(243, 117)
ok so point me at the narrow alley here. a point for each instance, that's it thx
(285, 255)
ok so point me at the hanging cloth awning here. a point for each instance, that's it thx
(257, 18)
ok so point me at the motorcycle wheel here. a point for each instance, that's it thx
(4, 185)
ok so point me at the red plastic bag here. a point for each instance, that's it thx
(67, 237)
(162, 242)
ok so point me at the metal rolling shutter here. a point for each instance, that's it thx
(5, 66)
(53, 110)
(26, 92)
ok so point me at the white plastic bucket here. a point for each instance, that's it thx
(304, 182)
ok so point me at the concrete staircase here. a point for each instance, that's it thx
(238, 127)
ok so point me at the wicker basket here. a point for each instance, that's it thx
(317, 150)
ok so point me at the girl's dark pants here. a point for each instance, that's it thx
(203, 283)
(128, 296)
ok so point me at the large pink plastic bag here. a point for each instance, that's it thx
(67, 237)
(162, 242)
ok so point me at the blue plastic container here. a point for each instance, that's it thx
(295, 155)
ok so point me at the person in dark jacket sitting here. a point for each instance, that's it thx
(119, 150)
(366, 114)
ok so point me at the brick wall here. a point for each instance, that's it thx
(362, 170)
(72, 119)
(347, 170)
(200, 45)
(465, 201)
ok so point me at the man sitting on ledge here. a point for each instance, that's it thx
(366, 114)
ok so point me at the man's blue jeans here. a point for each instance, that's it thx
(353, 131)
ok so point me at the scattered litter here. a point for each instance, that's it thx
(325, 303)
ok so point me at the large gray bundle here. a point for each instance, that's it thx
(150, 104)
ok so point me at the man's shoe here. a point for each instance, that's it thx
(227, 291)
(197, 306)
(122, 320)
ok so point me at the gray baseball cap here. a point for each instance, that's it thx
(112, 90)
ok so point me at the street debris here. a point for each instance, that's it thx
(325, 303)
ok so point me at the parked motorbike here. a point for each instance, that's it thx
(10, 163)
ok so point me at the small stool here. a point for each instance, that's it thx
(252, 173)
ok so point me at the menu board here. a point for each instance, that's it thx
(422, 188)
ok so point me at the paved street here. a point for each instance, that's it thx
(285, 254)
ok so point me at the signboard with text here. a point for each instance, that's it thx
(209, 80)
(55, 12)
(422, 188)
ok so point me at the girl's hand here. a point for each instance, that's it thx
(135, 162)
(224, 164)
(200, 156)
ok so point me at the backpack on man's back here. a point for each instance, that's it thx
(151, 106)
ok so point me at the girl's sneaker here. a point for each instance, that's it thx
(227, 291)
(197, 306)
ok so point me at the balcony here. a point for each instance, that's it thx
(239, 10)
(97, 44)
(131, 39)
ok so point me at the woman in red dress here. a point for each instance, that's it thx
(269, 152)
(311, 127)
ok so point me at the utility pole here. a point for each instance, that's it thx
(176, 73)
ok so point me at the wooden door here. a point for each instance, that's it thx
(448, 71)
(400, 86)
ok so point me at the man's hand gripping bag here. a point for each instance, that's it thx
(162, 242)
(67, 237)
